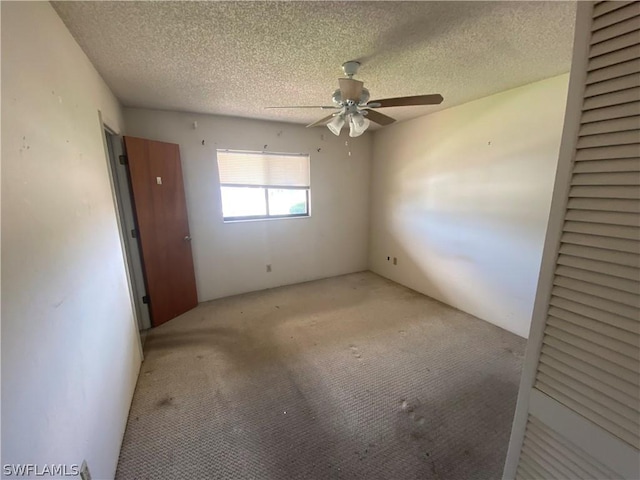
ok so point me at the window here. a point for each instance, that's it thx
(260, 185)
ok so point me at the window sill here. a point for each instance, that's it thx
(262, 219)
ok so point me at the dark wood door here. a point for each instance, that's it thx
(163, 227)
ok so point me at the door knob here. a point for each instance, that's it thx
(187, 238)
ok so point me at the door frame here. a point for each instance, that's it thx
(125, 217)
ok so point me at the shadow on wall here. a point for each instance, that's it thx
(467, 207)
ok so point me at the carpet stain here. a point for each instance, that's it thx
(165, 402)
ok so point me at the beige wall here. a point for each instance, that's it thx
(231, 258)
(461, 197)
(70, 351)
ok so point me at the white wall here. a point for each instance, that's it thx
(461, 197)
(70, 350)
(231, 258)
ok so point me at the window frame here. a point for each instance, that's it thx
(266, 188)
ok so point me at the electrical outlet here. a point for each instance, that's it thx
(269, 268)
(395, 260)
(85, 474)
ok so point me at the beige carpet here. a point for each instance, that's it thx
(352, 377)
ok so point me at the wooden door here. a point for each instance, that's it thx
(163, 227)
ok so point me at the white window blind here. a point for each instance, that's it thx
(265, 169)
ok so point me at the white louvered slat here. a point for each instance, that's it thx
(612, 85)
(598, 191)
(598, 266)
(585, 406)
(606, 217)
(613, 44)
(586, 367)
(595, 314)
(626, 298)
(625, 336)
(613, 58)
(610, 139)
(617, 70)
(603, 179)
(617, 208)
(602, 153)
(601, 254)
(551, 463)
(609, 126)
(623, 245)
(616, 16)
(543, 462)
(572, 453)
(579, 331)
(609, 178)
(538, 471)
(604, 7)
(611, 112)
(629, 401)
(628, 95)
(615, 30)
(622, 284)
(560, 453)
(524, 474)
(614, 357)
(599, 402)
(604, 204)
(604, 166)
(615, 231)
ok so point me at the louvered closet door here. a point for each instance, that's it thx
(578, 413)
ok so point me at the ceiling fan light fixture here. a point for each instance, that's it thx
(336, 124)
(364, 97)
(358, 124)
(337, 98)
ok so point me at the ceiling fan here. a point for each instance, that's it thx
(352, 105)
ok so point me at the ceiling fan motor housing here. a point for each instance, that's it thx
(337, 98)
(350, 68)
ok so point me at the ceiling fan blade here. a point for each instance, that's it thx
(322, 120)
(351, 89)
(323, 107)
(380, 118)
(433, 99)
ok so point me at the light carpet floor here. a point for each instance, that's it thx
(352, 377)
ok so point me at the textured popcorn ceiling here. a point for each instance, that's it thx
(235, 58)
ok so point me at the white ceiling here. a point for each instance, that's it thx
(235, 58)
